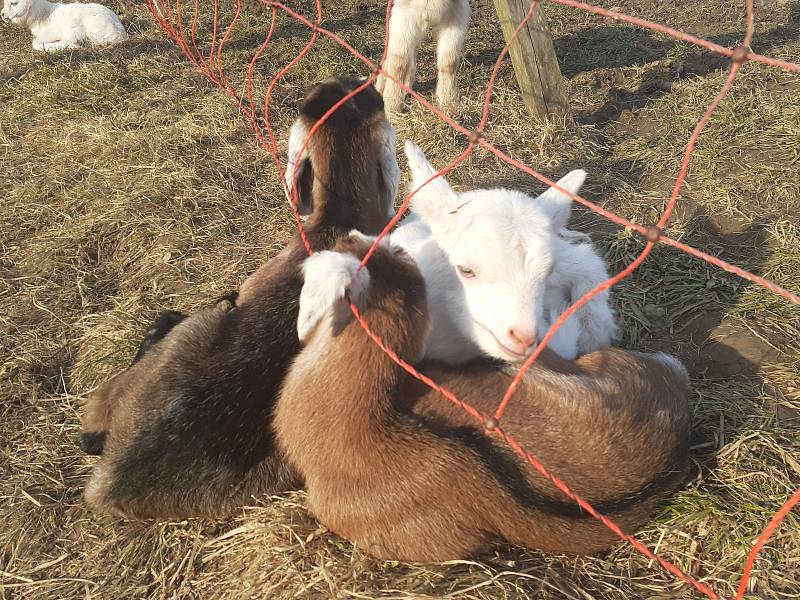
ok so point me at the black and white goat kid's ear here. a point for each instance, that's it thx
(299, 170)
(388, 169)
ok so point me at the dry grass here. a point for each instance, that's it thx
(129, 184)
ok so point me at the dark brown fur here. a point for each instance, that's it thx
(394, 467)
(186, 429)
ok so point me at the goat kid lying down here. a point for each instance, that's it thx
(499, 270)
(56, 26)
(405, 475)
(186, 430)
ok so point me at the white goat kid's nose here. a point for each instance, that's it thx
(522, 336)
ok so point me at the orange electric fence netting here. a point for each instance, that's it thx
(184, 30)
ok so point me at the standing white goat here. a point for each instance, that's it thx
(56, 26)
(409, 22)
(499, 270)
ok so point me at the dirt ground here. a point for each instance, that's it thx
(130, 184)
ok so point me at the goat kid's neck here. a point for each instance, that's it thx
(339, 209)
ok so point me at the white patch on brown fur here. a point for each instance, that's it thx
(330, 277)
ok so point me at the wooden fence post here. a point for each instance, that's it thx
(534, 58)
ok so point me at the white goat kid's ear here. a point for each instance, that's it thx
(328, 277)
(557, 204)
(297, 137)
(437, 198)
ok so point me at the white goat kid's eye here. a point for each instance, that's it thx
(466, 272)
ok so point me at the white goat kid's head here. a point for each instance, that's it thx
(501, 244)
(15, 11)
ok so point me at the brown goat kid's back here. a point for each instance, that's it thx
(405, 475)
(186, 430)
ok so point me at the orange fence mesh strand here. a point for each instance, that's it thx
(208, 58)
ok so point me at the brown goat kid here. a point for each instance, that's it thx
(186, 430)
(395, 468)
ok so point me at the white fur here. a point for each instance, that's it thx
(297, 137)
(675, 364)
(579, 270)
(329, 276)
(331, 280)
(409, 22)
(57, 26)
(386, 145)
(525, 273)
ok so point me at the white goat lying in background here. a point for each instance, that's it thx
(409, 22)
(57, 26)
(498, 272)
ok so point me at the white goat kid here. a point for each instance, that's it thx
(57, 26)
(499, 270)
(409, 22)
